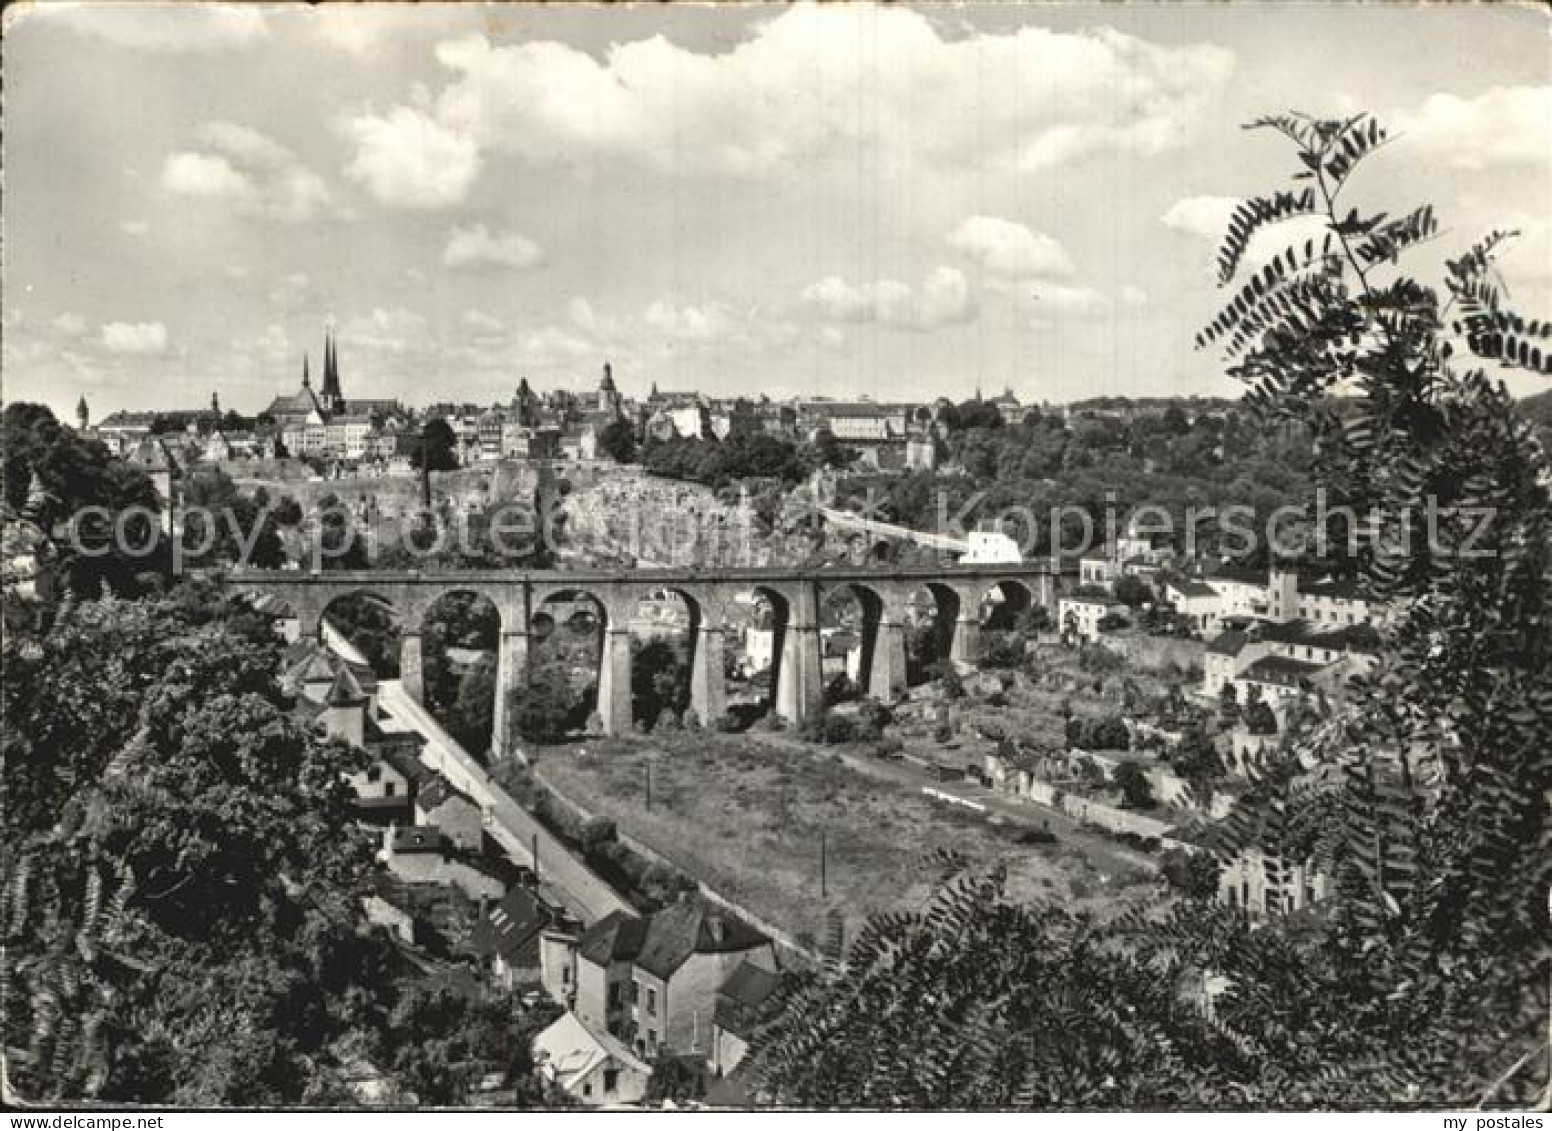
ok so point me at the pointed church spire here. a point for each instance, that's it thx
(307, 381)
(334, 399)
(82, 413)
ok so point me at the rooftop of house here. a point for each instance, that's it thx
(1303, 632)
(663, 942)
(510, 925)
(1229, 643)
(344, 691)
(1190, 587)
(1077, 598)
(1240, 575)
(739, 998)
(570, 1049)
(616, 937)
(1342, 588)
(690, 927)
(438, 791)
(417, 838)
(856, 409)
(1280, 670)
(403, 760)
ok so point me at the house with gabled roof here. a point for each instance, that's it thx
(653, 981)
(421, 854)
(591, 1066)
(506, 937)
(1195, 601)
(741, 1008)
(439, 805)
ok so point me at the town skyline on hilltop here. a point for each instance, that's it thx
(701, 195)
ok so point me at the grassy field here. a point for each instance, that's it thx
(748, 819)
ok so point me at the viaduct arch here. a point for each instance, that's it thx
(799, 593)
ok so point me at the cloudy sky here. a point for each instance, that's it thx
(890, 202)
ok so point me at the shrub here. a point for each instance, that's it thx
(1136, 792)
(944, 733)
(888, 747)
(667, 720)
(872, 717)
(692, 719)
(840, 689)
(1035, 836)
(596, 832)
(1002, 650)
(829, 729)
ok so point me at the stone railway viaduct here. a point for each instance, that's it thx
(795, 594)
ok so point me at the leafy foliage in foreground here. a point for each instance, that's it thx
(1424, 796)
(181, 908)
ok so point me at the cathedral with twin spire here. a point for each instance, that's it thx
(324, 421)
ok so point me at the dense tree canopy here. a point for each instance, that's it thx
(438, 447)
(184, 871)
(717, 463)
(55, 475)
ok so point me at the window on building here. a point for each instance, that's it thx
(611, 1079)
(565, 975)
(587, 1088)
(390, 788)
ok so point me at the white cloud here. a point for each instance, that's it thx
(1205, 216)
(407, 159)
(175, 28)
(704, 323)
(138, 229)
(1054, 302)
(581, 313)
(553, 348)
(942, 298)
(69, 324)
(268, 353)
(134, 337)
(477, 246)
(1010, 248)
(387, 331)
(479, 320)
(1027, 99)
(356, 28)
(1502, 125)
(1133, 296)
(260, 176)
(200, 174)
